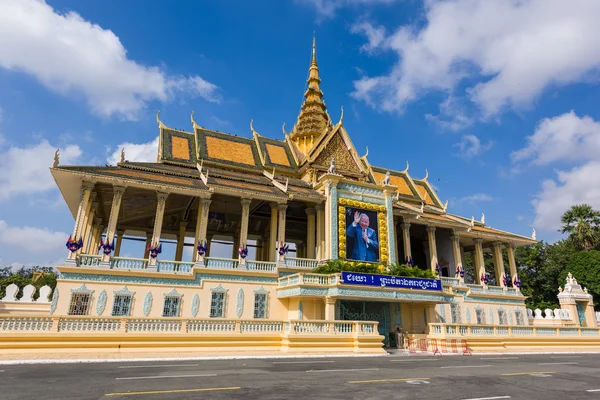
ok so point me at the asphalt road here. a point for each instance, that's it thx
(545, 377)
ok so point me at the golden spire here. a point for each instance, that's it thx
(313, 120)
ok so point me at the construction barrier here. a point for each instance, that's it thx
(465, 346)
(435, 346)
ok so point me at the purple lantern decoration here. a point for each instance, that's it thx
(155, 250)
(460, 272)
(283, 248)
(73, 244)
(243, 251)
(201, 247)
(484, 279)
(106, 247)
(438, 269)
(517, 282)
(504, 280)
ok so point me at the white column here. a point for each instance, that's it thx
(455, 238)
(245, 219)
(406, 240)
(119, 242)
(432, 247)
(498, 263)
(115, 207)
(320, 231)
(310, 234)
(329, 309)
(273, 233)
(158, 221)
(201, 226)
(85, 193)
(88, 227)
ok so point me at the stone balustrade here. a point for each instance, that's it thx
(220, 263)
(263, 266)
(79, 324)
(88, 260)
(175, 266)
(309, 279)
(548, 314)
(28, 293)
(128, 263)
(440, 330)
(450, 281)
(308, 263)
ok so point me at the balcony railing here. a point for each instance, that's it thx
(451, 330)
(220, 263)
(307, 263)
(174, 266)
(128, 263)
(308, 279)
(450, 281)
(88, 260)
(78, 324)
(263, 266)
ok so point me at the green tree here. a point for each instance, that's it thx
(582, 223)
(585, 267)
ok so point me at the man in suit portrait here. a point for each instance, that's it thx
(363, 238)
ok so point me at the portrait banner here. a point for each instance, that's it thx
(362, 235)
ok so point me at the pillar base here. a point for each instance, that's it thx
(104, 265)
(72, 262)
(152, 265)
(242, 263)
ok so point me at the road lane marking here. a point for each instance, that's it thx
(466, 366)
(343, 370)
(566, 357)
(500, 358)
(174, 391)
(490, 398)
(159, 366)
(390, 380)
(558, 363)
(593, 390)
(302, 362)
(527, 373)
(162, 377)
(417, 359)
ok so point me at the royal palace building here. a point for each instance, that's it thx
(250, 218)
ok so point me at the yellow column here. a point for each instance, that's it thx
(432, 247)
(82, 212)
(243, 238)
(119, 241)
(310, 234)
(88, 227)
(97, 231)
(478, 260)
(320, 232)
(498, 263)
(111, 229)
(406, 239)
(329, 309)
(281, 210)
(201, 226)
(512, 265)
(180, 241)
(273, 233)
(458, 263)
(158, 220)
(148, 241)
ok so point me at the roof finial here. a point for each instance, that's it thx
(426, 174)
(366, 152)
(283, 130)
(56, 158)
(313, 60)
(122, 154)
(194, 124)
(160, 124)
(252, 128)
(341, 116)
(406, 169)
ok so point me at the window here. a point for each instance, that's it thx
(502, 317)
(79, 304)
(519, 317)
(171, 308)
(121, 306)
(260, 306)
(217, 305)
(455, 310)
(480, 316)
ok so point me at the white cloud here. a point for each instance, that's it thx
(566, 137)
(32, 239)
(26, 169)
(327, 8)
(144, 152)
(470, 146)
(476, 198)
(70, 55)
(579, 185)
(453, 115)
(511, 49)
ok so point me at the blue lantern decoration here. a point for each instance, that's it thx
(155, 250)
(201, 247)
(283, 248)
(517, 282)
(460, 272)
(106, 247)
(409, 261)
(73, 244)
(243, 251)
(504, 280)
(484, 279)
(438, 269)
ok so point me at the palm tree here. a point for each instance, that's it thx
(582, 223)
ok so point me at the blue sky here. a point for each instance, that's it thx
(498, 100)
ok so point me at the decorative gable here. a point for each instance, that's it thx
(177, 146)
(337, 149)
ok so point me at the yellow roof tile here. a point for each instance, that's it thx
(229, 150)
(180, 148)
(403, 187)
(277, 155)
(423, 192)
